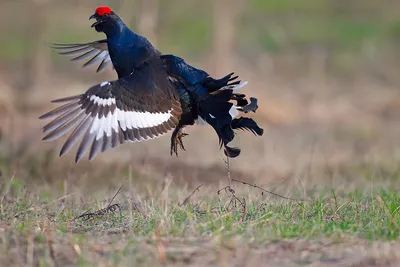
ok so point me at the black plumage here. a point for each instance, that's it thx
(154, 93)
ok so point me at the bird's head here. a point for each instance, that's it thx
(106, 19)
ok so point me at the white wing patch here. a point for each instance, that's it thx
(100, 124)
(102, 102)
(124, 119)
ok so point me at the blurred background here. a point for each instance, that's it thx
(326, 73)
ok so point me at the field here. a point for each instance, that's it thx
(319, 188)
(153, 214)
(168, 224)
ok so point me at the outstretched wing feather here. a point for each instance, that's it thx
(140, 107)
(91, 53)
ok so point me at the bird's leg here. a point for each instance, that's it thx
(228, 169)
(176, 139)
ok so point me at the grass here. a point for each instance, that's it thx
(154, 228)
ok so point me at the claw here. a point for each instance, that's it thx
(172, 149)
(179, 139)
(176, 139)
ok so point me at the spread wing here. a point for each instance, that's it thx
(93, 53)
(136, 108)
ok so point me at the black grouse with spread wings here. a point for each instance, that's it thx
(154, 94)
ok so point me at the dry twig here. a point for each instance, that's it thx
(336, 213)
(266, 191)
(187, 199)
(111, 208)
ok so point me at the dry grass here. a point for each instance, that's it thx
(67, 227)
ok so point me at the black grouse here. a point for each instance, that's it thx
(154, 94)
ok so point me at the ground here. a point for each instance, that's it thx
(153, 224)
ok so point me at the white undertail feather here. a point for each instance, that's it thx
(234, 87)
(233, 111)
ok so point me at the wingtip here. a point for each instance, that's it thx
(79, 156)
(77, 160)
(63, 151)
(47, 115)
(53, 45)
(48, 138)
(233, 78)
(67, 99)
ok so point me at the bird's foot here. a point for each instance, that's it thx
(176, 141)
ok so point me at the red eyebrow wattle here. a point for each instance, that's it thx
(101, 10)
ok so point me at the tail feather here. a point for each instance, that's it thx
(241, 100)
(232, 152)
(216, 84)
(247, 124)
(218, 112)
(253, 106)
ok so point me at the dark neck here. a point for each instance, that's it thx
(118, 30)
(127, 49)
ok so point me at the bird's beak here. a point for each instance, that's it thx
(95, 16)
(98, 20)
(96, 23)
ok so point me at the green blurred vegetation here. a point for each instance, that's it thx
(262, 26)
